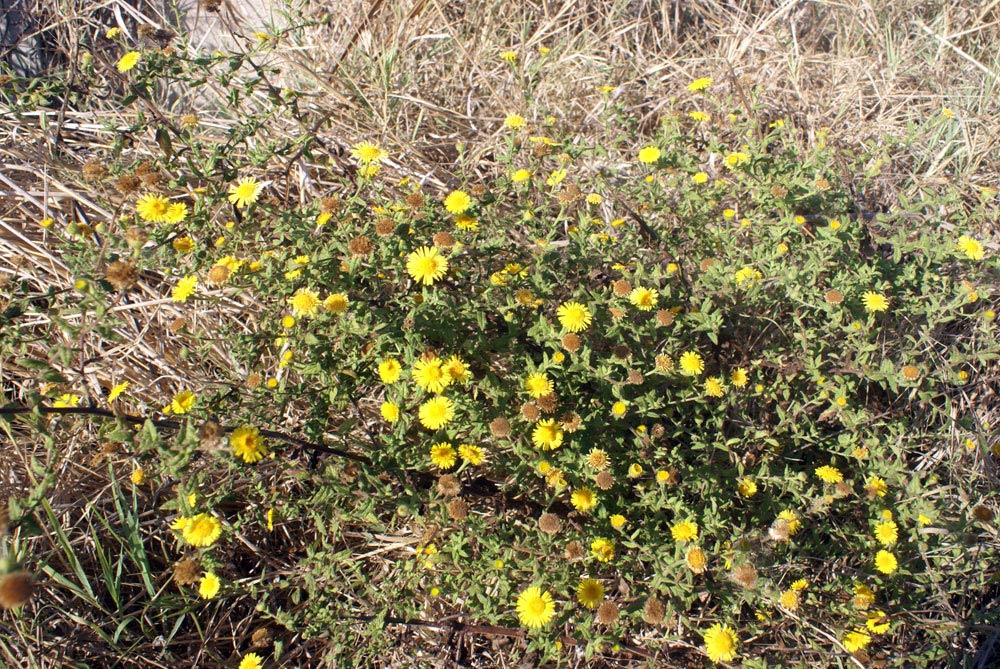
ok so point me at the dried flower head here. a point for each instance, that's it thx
(548, 403)
(605, 480)
(136, 237)
(549, 523)
(187, 572)
(261, 638)
(571, 422)
(982, 513)
(360, 246)
(635, 377)
(607, 613)
(665, 317)
(210, 434)
(385, 227)
(571, 342)
(621, 287)
(834, 297)
(745, 576)
(574, 551)
(443, 239)
(16, 589)
(94, 170)
(653, 611)
(448, 485)
(219, 274)
(530, 412)
(458, 509)
(127, 184)
(121, 274)
(500, 427)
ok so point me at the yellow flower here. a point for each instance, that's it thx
(696, 560)
(547, 435)
(583, 499)
(685, 530)
(138, 476)
(247, 443)
(367, 153)
(128, 61)
(509, 56)
(430, 375)
(466, 222)
(886, 532)
(426, 265)
(443, 455)
(714, 387)
(699, 116)
(436, 412)
(603, 550)
(209, 586)
(691, 363)
(555, 177)
(514, 122)
(66, 401)
(389, 411)
(520, 175)
(699, 177)
(649, 155)
(535, 607)
(456, 370)
(856, 640)
(829, 474)
(617, 521)
(336, 303)
(251, 661)
(183, 244)
(304, 302)
(747, 487)
(700, 84)
(738, 377)
(574, 317)
(245, 193)
(720, 643)
(877, 622)
(201, 530)
(389, 370)
(619, 408)
(972, 248)
(538, 385)
(182, 402)
(789, 599)
(589, 592)
(153, 208)
(886, 562)
(735, 159)
(457, 202)
(874, 302)
(634, 470)
(747, 274)
(598, 459)
(184, 289)
(643, 299)
(474, 455)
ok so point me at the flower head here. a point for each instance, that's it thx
(573, 316)
(304, 302)
(251, 661)
(649, 155)
(547, 435)
(828, 474)
(426, 265)
(720, 643)
(245, 193)
(583, 499)
(472, 454)
(856, 640)
(700, 84)
(886, 562)
(182, 402)
(436, 412)
(691, 363)
(336, 303)
(602, 549)
(247, 443)
(589, 592)
(457, 202)
(535, 607)
(201, 530)
(389, 411)
(389, 370)
(538, 385)
(685, 530)
(209, 586)
(972, 248)
(429, 374)
(443, 455)
(185, 288)
(874, 302)
(514, 122)
(643, 299)
(887, 532)
(128, 61)
(367, 153)
(153, 208)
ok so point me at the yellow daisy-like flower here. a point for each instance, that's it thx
(692, 363)
(436, 412)
(649, 155)
(457, 202)
(828, 474)
(555, 177)
(619, 408)
(699, 177)
(535, 607)
(598, 459)
(583, 499)
(426, 265)
(514, 122)
(643, 299)
(617, 521)
(509, 56)
(877, 486)
(251, 661)
(456, 370)
(972, 248)
(182, 402)
(389, 370)
(747, 274)
(685, 530)
(874, 302)
(887, 532)
(138, 476)
(128, 61)
(153, 208)
(185, 288)
(789, 599)
(538, 385)
(877, 622)
(856, 640)
(201, 530)
(304, 302)
(735, 159)
(474, 455)
(573, 316)
(248, 444)
(602, 549)
(696, 559)
(699, 116)
(589, 592)
(634, 470)
(792, 520)
(209, 586)
(66, 401)
(367, 153)
(429, 374)
(443, 455)
(520, 175)
(714, 387)
(700, 84)
(739, 377)
(886, 562)
(547, 435)
(747, 487)
(336, 303)
(245, 192)
(389, 411)
(183, 244)
(721, 643)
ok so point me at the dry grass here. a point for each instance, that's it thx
(420, 77)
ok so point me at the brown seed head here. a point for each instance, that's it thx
(530, 412)
(187, 571)
(15, 589)
(621, 352)
(360, 245)
(616, 313)
(415, 200)
(621, 287)
(571, 342)
(653, 611)
(444, 240)
(548, 403)
(664, 363)
(607, 613)
(911, 373)
(500, 427)
(657, 431)
(571, 422)
(780, 530)
(121, 275)
(665, 317)
(94, 170)
(385, 227)
(219, 274)
(477, 190)
(549, 523)
(458, 509)
(254, 380)
(177, 324)
(261, 638)
(210, 434)
(706, 264)
(779, 191)
(330, 205)
(136, 237)
(448, 485)
(574, 551)
(128, 183)
(605, 480)
(834, 297)
(745, 576)
(635, 377)
(982, 513)
(696, 560)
